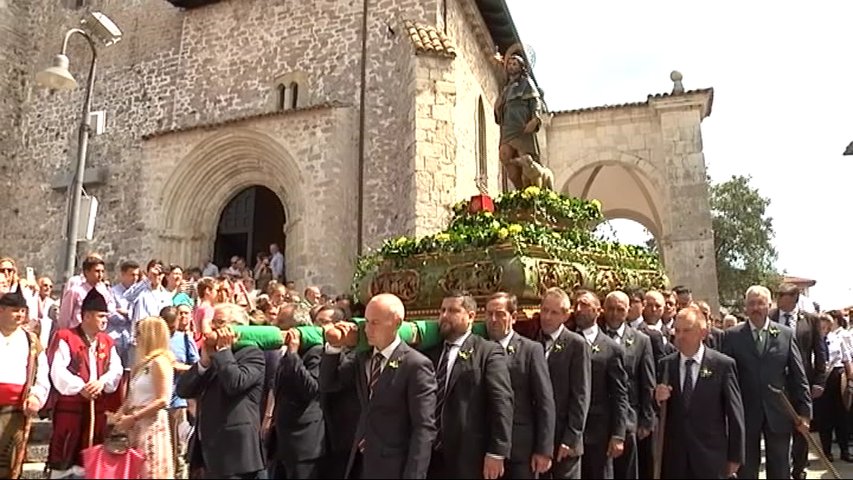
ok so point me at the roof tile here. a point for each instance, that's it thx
(429, 39)
(639, 104)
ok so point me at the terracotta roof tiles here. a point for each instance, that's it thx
(429, 39)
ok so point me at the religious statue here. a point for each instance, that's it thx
(519, 111)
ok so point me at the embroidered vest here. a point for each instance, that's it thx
(78, 348)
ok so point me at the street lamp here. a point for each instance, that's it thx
(98, 26)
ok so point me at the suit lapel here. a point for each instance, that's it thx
(362, 363)
(462, 363)
(746, 334)
(513, 347)
(391, 366)
(705, 370)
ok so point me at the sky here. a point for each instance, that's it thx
(783, 99)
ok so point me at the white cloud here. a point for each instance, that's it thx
(783, 99)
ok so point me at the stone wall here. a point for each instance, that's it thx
(305, 157)
(644, 162)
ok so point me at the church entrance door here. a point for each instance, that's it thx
(248, 224)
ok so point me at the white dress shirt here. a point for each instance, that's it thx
(14, 352)
(505, 341)
(638, 322)
(452, 351)
(694, 369)
(551, 339)
(789, 319)
(386, 355)
(590, 333)
(839, 354)
(620, 333)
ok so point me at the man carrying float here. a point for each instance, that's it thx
(85, 371)
(24, 382)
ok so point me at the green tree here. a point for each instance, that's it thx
(743, 239)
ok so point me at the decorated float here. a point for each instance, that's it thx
(523, 242)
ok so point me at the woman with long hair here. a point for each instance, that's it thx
(208, 296)
(143, 416)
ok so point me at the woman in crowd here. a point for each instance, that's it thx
(143, 416)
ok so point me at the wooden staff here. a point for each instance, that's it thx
(659, 433)
(92, 422)
(813, 446)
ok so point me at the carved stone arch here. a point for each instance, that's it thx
(626, 190)
(213, 172)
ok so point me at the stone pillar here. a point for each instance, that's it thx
(687, 242)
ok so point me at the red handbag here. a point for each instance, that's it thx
(114, 458)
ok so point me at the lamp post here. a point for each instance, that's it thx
(58, 77)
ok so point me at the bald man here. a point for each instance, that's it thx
(653, 326)
(639, 364)
(396, 388)
(704, 430)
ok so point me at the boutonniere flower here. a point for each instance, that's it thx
(773, 331)
(705, 373)
(510, 349)
(466, 354)
(102, 355)
(558, 347)
(395, 364)
(629, 342)
(596, 348)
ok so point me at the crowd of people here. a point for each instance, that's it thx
(628, 385)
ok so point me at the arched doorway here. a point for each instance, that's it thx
(249, 223)
(628, 232)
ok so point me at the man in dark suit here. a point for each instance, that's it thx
(396, 388)
(341, 411)
(807, 332)
(714, 339)
(474, 403)
(571, 379)
(534, 414)
(653, 307)
(767, 356)
(299, 424)
(640, 367)
(704, 431)
(227, 387)
(606, 423)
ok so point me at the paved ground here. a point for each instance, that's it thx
(816, 470)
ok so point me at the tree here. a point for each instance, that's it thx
(743, 239)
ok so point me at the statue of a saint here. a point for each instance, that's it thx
(518, 111)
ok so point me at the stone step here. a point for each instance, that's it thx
(33, 470)
(36, 452)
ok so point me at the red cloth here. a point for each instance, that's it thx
(10, 394)
(100, 463)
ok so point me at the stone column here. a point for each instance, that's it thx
(687, 242)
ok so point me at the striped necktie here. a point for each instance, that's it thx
(375, 371)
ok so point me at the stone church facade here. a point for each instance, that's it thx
(204, 103)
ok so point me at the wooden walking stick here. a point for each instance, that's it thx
(813, 446)
(659, 433)
(92, 423)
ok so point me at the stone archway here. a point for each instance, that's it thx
(624, 190)
(218, 168)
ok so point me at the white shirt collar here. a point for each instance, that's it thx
(389, 350)
(459, 341)
(619, 331)
(792, 313)
(763, 327)
(505, 341)
(556, 333)
(657, 326)
(697, 357)
(590, 333)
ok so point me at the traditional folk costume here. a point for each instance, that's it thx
(75, 359)
(24, 374)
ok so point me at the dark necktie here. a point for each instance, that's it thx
(375, 371)
(441, 380)
(614, 334)
(687, 388)
(790, 321)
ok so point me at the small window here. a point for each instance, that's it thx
(294, 95)
(282, 94)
